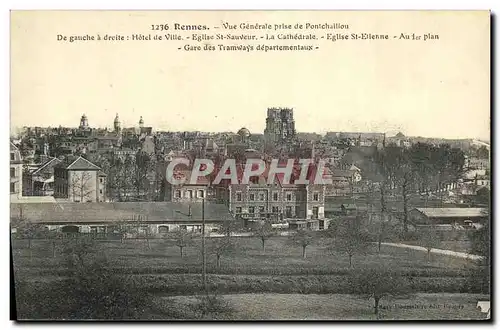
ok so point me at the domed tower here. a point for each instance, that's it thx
(116, 124)
(141, 122)
(84, 122)
(244, 134)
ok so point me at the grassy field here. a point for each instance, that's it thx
(278, 272)
(247, 258)
(348, 307)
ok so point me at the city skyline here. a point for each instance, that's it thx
(130, 123)
(435, 89)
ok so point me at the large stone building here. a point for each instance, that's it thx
(280, 125)
(16, 171)
(78, 180)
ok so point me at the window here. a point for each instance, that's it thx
(201, 193)
(12, 187)
(190, 193)
(315, 211)
(275, 209)
(251, 209)
(262, 197)
(252, 197)
(238, 210)
(289, 197)
(275, 196)
(12, 172)
(177, 194)
(12, 157)
(238, 196)
(100, 191)
(262, 210)
(101, 180)
(288, 211)
(315, 197)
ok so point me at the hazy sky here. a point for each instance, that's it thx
(436, 88)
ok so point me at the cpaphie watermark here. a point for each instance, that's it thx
(295, 171)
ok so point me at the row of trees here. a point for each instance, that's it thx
(422, 167)
(130, 177)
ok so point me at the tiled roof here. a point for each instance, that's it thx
(452, 212)
(120, 211)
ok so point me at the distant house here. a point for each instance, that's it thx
(447, 216)
(40, 181)
(79, 180)
(16, 171)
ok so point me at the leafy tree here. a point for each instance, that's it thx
(377, 282)
(264, 232)
(302, 238)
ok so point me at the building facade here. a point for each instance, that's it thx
(16, 171)
(280, 125)
(78, 180)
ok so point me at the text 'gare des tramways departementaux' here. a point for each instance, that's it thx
(253, 37)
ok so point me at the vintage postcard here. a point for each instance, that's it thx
(250, 165)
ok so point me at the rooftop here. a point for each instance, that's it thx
(452, 212)
(116, 212)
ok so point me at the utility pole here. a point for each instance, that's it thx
(203, 254)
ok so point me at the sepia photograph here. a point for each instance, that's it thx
(230, 165)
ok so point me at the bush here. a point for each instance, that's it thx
(211, 307)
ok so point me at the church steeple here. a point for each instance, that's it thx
(84, 122)
(116, 124)
(141, 122)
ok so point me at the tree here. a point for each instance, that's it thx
(25, 229)
(264, 232)
(81, 185)
(480, 275)
(92, 291)
(229, 227)
(144, 172)
(303, 239)
(182, 238)
(220, 247)
(377, 282)
(349, 239)
(429, 239)
(122, 228)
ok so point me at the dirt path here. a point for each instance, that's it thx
(436, 251)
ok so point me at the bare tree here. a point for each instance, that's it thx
(81, 185)
(182, 238)
(25, 229)
(302, 238)
(264, 232)
(376, 283)
(229, 227)
(220, 247)
(351, 241)
(429, 239)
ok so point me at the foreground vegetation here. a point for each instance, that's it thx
(94, 277)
